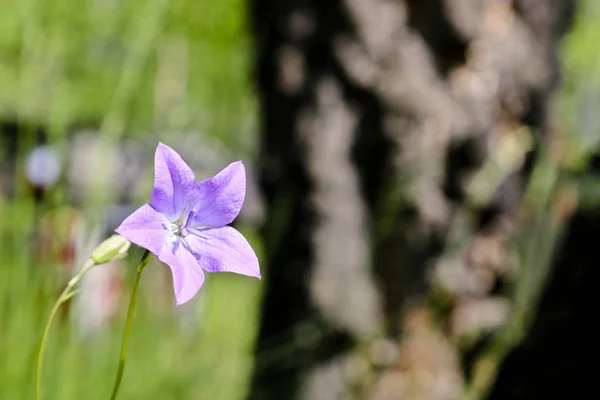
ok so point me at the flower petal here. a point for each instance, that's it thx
(218, 200)
(224, 250)
(147, 228)
(188, 277)
(174, 182)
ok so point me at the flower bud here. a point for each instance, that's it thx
(113, 248)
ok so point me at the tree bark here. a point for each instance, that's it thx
(388, 221)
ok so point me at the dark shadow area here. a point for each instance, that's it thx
(429, 18)
(555, 360)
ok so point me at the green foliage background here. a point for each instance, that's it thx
(126, 68)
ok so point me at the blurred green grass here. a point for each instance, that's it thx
(126, 68)
(211, 360)
(578, 99)
(69, 61)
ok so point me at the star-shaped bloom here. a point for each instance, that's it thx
(185, 223)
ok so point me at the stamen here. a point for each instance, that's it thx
(189, 219)
(197, 231)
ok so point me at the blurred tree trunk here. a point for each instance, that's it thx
(398, 141)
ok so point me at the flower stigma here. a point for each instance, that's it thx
(180, 229)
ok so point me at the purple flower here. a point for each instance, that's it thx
(185, 224)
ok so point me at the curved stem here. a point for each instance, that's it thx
(123, 356)
(40, 358)
(66, 294)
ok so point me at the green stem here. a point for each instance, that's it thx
(66, 294)
(123, 356)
